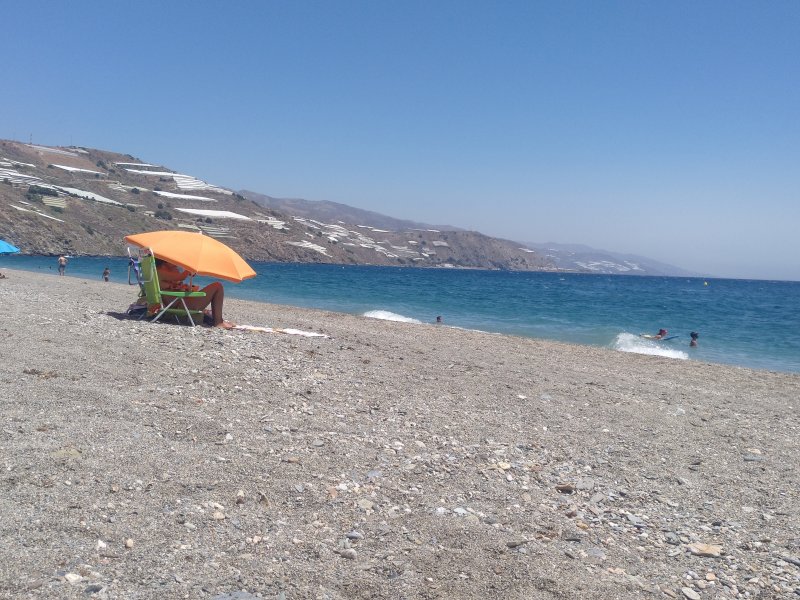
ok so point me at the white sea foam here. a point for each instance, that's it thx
(385, 315)
(628, 342)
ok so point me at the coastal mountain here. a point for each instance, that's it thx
(583, 259)
(334, 212)
(565, 257)
(83, 201)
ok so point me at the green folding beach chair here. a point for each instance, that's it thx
(156, 297)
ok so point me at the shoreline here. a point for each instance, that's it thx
(624, 339)
(388, 460)
(459, 267)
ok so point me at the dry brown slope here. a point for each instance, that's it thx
(80, 226)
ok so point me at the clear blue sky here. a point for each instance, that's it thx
(670, 130)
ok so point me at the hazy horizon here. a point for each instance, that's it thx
(668, 132)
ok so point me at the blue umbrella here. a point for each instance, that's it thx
(6, 248)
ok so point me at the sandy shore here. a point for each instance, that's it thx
(388, 460)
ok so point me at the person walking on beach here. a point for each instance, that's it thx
(62, 264)
(693, 343)
(106, 274)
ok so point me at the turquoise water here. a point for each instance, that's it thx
(741, 322)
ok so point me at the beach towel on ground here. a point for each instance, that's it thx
(286, 331)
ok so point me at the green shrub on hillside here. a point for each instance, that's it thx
(42, 191)
(163, 214)
(134, 190)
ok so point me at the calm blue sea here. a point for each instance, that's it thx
(742, 322)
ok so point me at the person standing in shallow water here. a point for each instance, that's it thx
(62, 264)
(694, 335)
(106, 274)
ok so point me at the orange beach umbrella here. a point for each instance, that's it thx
(197, 253)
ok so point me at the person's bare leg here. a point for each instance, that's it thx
(217, 299)
(215, 296)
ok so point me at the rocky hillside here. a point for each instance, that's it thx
(332, 212)
(82, 201)
(564, 257)
(583, 259)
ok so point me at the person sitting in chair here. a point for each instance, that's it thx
(172, 278)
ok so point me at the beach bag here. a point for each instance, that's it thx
(138, 309)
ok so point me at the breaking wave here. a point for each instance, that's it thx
(628, 342)
(385, 315)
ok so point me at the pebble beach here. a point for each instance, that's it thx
(383, 460)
